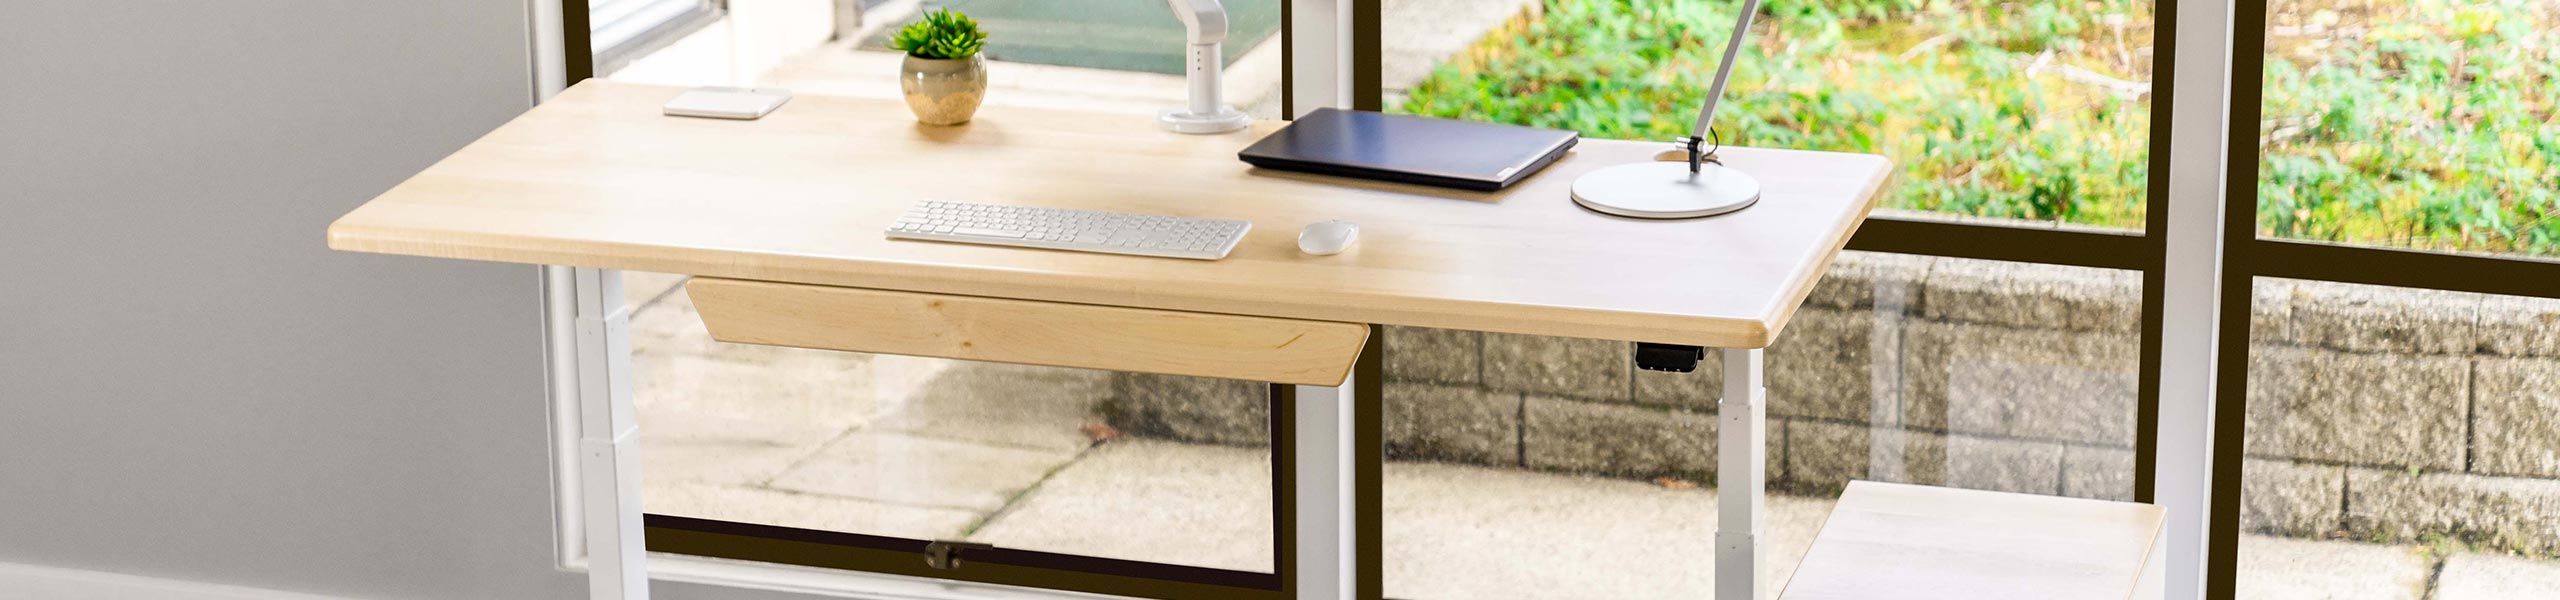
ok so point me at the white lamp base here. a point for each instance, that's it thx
(1666, 190)
(1184, 121)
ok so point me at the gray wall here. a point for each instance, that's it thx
(191, 385)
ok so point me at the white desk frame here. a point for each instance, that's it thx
(605, 492)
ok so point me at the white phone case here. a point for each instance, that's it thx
(728, 102)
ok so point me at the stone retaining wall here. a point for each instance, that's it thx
(2376, 413)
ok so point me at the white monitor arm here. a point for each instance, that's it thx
(1205, 24)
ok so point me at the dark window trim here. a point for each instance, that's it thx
(901, 556)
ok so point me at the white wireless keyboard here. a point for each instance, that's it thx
(1065, 229)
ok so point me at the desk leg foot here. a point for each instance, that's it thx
(608, 436)
(1742, 471)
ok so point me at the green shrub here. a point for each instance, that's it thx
(943, 33)
(2426, 124)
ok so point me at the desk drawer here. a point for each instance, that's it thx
(1028, 332)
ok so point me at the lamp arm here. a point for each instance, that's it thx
(1724, 72)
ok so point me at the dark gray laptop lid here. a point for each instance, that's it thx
(1408, 144)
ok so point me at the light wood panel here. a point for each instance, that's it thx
(1908, 542)
(1028, 332)
(598, 178)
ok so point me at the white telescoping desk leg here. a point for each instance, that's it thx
(608, 437)
(1742, 464)
(1327, 545)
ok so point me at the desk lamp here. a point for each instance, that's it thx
(1665, 190)
(1205, 21)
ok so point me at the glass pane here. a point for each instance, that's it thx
(1538, 467)
(2400, 443)
(1137, 467)
(2412, 125)
(1108, 55)
(2016, 113)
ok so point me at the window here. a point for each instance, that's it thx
(2034, 113)
(623, 30)
(1093, 481)
(1112, 55)
(1069, 469)
(1525, 466)
(2399, 440)
(2388, 304)
(2423, 125)
(2387, 295)
(1993, 336)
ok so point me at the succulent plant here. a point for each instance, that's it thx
(943, 33)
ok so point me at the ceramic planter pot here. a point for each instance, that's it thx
(944, 91)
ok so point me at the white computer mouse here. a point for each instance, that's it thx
(1328, 237)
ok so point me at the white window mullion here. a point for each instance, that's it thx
(2199, 118)
(1319, 55)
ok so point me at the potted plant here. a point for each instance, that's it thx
(944, 78)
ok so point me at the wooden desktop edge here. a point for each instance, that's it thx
(1729, 330)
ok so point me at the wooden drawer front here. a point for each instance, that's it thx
(1028, 332)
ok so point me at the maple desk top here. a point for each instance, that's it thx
(598, 178)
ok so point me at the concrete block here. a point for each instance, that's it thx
(2367, 318)
(1429, 355)
(1981, 463)
(1862, 280)
(2289, 498)
(1194, 409)
(1462, 424)
(1824, 366)
(1698, 390)
(1619, 440)
(2394, 410)
(2494, 513)
(2033, 296)
(2518, 326)
(2101, 473)
(2515, 417)
(1552, 366)
(2067, 386)
(1822, 458)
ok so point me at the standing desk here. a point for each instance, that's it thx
(779, 220)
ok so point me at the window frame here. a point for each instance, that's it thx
(2250, 257)
(2199, 255)
(665, 21)
(865, 566)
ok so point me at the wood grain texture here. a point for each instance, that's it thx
(1908, 542)
(598, 178)
(1028, 332)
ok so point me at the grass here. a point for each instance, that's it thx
(2433, 128)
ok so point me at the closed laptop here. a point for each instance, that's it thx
(1409, 149)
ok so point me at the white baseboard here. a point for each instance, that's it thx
(55, 583)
